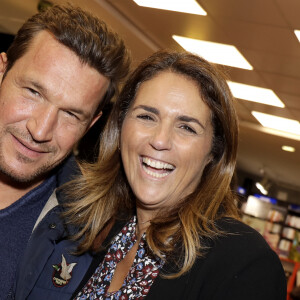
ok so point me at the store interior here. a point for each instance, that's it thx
(265, 34)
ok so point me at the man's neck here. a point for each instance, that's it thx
(11, 191)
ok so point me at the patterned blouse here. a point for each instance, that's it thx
(140, 277)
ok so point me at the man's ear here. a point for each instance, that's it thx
(95, 119)
(3, 64)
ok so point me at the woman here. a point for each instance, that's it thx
(156, 212)
(166, 163)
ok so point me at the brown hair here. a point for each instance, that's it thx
(87, 36)
(104, 191)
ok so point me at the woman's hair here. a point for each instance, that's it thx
(87, 36)
(103, 192)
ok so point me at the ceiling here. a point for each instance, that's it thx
(261, 30)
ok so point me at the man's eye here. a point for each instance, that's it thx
(33, 92)
(188, 128)
(69, 113)
(145, 117)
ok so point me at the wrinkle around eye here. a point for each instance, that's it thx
(32, 91)
(72, 119)
(188, 128)
(72, 115)
(145, 117)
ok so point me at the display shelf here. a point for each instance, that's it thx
(294, 208)
(280, 226)
(292, 221)
(265, 219)
(291, 268)
(289, 232)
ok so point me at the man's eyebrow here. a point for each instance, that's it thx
(148, 108)
(79, 111)
(35, 84)
(44, 91)
(190, 119)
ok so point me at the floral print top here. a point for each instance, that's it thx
(140, 277)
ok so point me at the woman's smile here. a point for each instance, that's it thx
(156, 168)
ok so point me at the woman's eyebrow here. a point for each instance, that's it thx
(182, 118)
(148, 108)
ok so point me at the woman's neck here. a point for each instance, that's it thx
(143, 222)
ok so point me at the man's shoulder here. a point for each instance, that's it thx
(67, 171)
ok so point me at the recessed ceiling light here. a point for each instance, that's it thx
(278, 123)
(297, 32)
(227, 55)
(288, 148)
(254, 93)
(186, 6)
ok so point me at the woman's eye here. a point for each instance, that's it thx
(145, 117)
(188, 128)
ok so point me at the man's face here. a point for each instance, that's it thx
(47, 102)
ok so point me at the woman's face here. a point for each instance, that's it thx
(166, 140)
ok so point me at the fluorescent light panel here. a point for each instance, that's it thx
(277, 123)
(288, 148)
(185, 6)
(261, 188)
(297, 32)
(254, 93)
(227, 55)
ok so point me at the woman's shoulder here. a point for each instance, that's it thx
(235, 227)
(237, 236)
(238, 245)
(238, 264)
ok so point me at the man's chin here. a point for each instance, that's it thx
(24, 178)
(27, 175)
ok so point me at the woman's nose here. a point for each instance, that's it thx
(161, 138)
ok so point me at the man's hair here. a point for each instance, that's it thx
(87, 36)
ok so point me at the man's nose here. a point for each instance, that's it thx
(42, 123)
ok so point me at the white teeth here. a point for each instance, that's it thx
(154, 174)
(157, 164)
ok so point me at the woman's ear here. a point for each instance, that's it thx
(209, 159)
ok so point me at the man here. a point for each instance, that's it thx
(62, 68)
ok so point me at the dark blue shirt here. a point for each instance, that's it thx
(16, 224)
